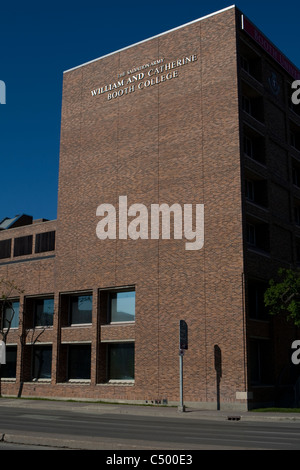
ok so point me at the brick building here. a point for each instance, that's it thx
(200, 115)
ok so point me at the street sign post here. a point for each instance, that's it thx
(2, 353)
(183, 345)
(183, 335)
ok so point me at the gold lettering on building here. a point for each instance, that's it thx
(135, 79)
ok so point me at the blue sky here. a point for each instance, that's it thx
(39, 40)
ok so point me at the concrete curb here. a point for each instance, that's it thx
(71, 443)
(109, 446)
(47, 441)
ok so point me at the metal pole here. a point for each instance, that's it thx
(181, 406)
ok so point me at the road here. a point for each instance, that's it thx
(105, 430)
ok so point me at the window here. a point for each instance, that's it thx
(41, 362)
(45, 242)
(81, 309)
(254, 145)
(252, 102)
(248, 146)
(249, 190)
(296, 175)
(251, 239)
(246, 104)
(5, 249)
(11, 315)
(261, 362)
(79, 362)
(257, 235)
(245, 64)
(117, 305)
(256, 304)
(8, 370)
(43, 312)
(23, 246)
(256, 191)
(39, 311)
(251, 62)
(122, 306)
(297, 214)
(295, 135)
(120, 361)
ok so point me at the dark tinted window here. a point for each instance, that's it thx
(81, 309)
(44, 309)
(45, 242)
(121, 361)
(23, 246)
(42, 359)
(5, 249)
(79, 366)
(8, 370)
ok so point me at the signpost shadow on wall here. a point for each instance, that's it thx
(218, 369)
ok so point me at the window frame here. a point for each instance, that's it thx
(297, 214)
(249, 190)
(116, 291)
(251, 233)
(10, 348)
(260, 351)
(5, 248)
(40, 346)
(109, 345)
(255, 290)
(247, 105)
(23, 249)
(85, 345)
(248, 146)
(35, 301)
(70, 316)
(45, 239)
(3, 320)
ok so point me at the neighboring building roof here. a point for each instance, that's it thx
(17, 221)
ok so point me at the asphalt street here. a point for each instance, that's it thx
(121, 427)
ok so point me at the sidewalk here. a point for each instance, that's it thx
(111, 408)
(146, 410)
